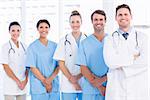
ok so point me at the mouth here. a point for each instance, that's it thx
(44, 33)
(123, 20)
(98, 25)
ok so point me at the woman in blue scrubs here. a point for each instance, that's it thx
(44, 84)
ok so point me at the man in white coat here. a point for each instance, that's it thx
(125, 53)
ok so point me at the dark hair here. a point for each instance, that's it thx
(123, 6)
(75, 13)
(42, 21)
(13, 23)
(101, 12)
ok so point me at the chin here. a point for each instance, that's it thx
(45, 36)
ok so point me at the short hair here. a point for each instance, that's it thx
(75, 13)
(13, 23)
(123, 6)
(42, 21)
(101, 12)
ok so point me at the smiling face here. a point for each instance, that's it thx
(123, 17)
(43, 29)
(98, 21)
(75, 23)
(15, 31)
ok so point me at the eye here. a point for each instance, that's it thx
(126, 14)
(18, 30)
(13, 30)
(101, 19)
(46, 27)
(41, 26)
(72, 22)
(78, 21)
(119, 14)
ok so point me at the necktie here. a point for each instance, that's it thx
(125, 35)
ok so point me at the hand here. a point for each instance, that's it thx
(102, 90)
(77, 86)
(48, 84)
(98, 81)
(73, 79)
(136, 56)
(48, 81)
(18, 82)
(48, 87)
(23, 84)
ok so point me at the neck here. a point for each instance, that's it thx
(15, 42)
(76, 35)
(125, 29)
(99, 35)
(43, 41)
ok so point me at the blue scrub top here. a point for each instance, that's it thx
(91, 55)
(41, 57)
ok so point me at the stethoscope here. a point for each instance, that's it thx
(13, 50)
(69, 43)
(116, 40)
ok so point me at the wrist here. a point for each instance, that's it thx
(43, 80)
(50, 80)
(79, 76)
(69, 78)
(91, 80)
(17, 80)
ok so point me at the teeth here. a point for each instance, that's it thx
(98, 25)
(43, 32)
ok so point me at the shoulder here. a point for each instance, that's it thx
(22, 43)
(63, 39)
(108, 37)
(33, 44)
(88, 39)
(141, 36)
(6, 45)
(52, 43)
(84, 35)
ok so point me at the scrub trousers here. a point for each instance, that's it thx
(46, 96)
(92, 97)
(71, 96)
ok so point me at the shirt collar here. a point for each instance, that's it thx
(121, 31)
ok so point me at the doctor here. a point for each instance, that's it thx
(66, 53)
(90, 58)
(13, 61)
(125, 53)
(44, 84)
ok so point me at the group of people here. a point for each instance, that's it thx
(100, 66)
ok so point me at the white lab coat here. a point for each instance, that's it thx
(127, 78)
(16, 62)
(63, 53)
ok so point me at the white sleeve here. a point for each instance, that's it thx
(109, 52)
(115, 57)
(4, 54)
(60, 51)
(141, 63)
